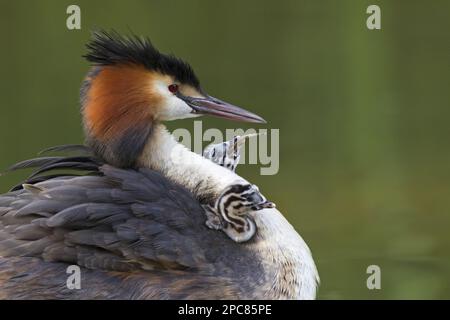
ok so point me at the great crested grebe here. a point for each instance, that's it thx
(133, 215)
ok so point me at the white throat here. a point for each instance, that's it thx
(201, 176)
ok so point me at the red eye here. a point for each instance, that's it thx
(173, 88)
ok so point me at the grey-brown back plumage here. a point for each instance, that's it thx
(134, 234)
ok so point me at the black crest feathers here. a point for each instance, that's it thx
(110, 48)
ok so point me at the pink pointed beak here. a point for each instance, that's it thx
(218, 108)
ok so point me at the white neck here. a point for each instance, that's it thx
(201, 176)
(293, 272)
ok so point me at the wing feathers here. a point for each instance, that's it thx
(115, 219)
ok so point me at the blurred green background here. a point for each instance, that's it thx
(363, 115)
